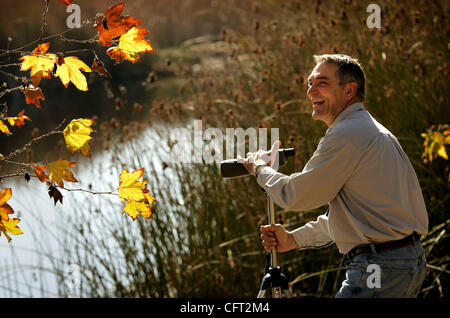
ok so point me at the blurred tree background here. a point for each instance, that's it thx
(232, 64)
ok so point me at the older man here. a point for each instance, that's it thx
(376, 209)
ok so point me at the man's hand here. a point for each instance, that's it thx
(260, 157)
(276, 236)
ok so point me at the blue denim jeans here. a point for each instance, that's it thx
(388, 274)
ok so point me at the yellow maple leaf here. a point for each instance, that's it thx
(68, 70)
(434, 144)
(10, 226)
(135, 194)
(131, 45)
(76, 135)
(5, 208)
(129, 186)
(40, 62)
(4, 128)
(133, 208)
(58, 170)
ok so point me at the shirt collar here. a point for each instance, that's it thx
(344, 114)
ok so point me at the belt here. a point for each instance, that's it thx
(382, 246)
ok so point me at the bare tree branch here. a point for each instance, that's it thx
(26, 146)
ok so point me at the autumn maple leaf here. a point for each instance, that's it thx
(98, 67)
(58, 170)
(76, 135)
(68, 70)
(434, 144)
(130, 47)
(7, 224)
(40, 172)
(111, 24)
(11, 227)
(133, 208)
(4, 128)
(129, 186)
(5, 208)
(19, 120)
(66, 2)
(135, 194)
(40, 62)
(13, 121)
(33, 95)
(54, 193)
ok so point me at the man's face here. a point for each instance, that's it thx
(327, 96)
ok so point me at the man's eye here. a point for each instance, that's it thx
(323, 83)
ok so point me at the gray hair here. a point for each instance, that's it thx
(349, 70)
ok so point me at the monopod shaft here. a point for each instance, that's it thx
(276, 291)
(271, 218)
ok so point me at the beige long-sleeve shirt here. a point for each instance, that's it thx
(362, 172)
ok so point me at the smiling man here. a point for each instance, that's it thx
(376, 209)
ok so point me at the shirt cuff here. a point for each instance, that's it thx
(302, 237)
(264, 174)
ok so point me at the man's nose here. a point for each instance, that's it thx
(311, 90)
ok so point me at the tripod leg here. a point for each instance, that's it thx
(265, 285)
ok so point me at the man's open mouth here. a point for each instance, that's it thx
(317, 103)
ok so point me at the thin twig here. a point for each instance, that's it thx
(13, 64)
(18, 174)
(17, 78)
(8, 52)
(22, 174)
(26, 146)
(91, 40)
(7, 91)
(44, 21)
(21, 163)
(78, 51)
(89, 191)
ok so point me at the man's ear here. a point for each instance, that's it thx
(350, 90)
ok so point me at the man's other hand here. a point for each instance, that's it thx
(260, 157)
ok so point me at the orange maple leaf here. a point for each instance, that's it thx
(58, 170)
(7, 224)
(111, 24)
(33, 95)
(40, 62)
(40, 172)
(5, 208)
(130, 47)
(19, 120)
